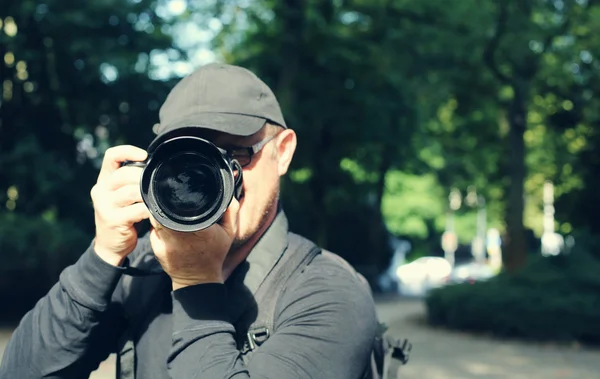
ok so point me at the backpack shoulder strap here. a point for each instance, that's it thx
(389, 353)
(299, 253)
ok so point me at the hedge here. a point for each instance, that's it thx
(553, 298)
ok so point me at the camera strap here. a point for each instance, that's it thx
(252, 332)
(238, 187)
(145, 258)
(134, 271)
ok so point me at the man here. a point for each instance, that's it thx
(182, 324)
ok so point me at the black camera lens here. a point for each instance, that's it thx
(188, 186)
(188, 182)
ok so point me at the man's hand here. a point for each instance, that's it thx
(198, 257)
(118, 204)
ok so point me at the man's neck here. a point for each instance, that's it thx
(240, 253)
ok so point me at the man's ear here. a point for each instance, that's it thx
(286, 146)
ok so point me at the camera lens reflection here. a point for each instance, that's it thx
(187, 185)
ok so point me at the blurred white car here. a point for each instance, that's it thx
(417, 277)
(470, 273)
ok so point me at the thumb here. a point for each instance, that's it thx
(229, 221)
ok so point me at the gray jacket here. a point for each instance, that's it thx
(324, 322)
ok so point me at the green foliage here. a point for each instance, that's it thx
(394, 104)
(75, 79)
(410, 202)
(555, 298)
(33, 243)
(350, 103)
(419, 88)
(34, 251)
(72, 86)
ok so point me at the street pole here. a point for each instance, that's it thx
(552, 243)
(449, 238)
(478, 247)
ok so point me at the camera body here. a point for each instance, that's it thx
(188, 182)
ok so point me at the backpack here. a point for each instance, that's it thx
(388, 352)
(256, 324)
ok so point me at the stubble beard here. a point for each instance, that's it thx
(264, 218)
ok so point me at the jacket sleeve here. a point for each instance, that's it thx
(325, 327)
(72, 329)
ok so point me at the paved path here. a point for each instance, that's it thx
(440, 354)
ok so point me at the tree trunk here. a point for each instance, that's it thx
(318, 185)
(291, 13)
(378, 230)
(515, 251)
(292, 16)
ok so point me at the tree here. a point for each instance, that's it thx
(352, 112)
(75, 80)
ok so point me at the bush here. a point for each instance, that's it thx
(554, 298)
(34, 251)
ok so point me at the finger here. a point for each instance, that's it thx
(124, 176)
(127, 195)
(115, 156)
(131, 214)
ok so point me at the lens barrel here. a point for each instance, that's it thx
(188, 183)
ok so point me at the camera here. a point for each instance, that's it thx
(188, 182)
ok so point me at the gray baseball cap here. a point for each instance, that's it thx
(221, 97)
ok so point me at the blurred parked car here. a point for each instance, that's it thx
(470, 272)
(418, 277)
